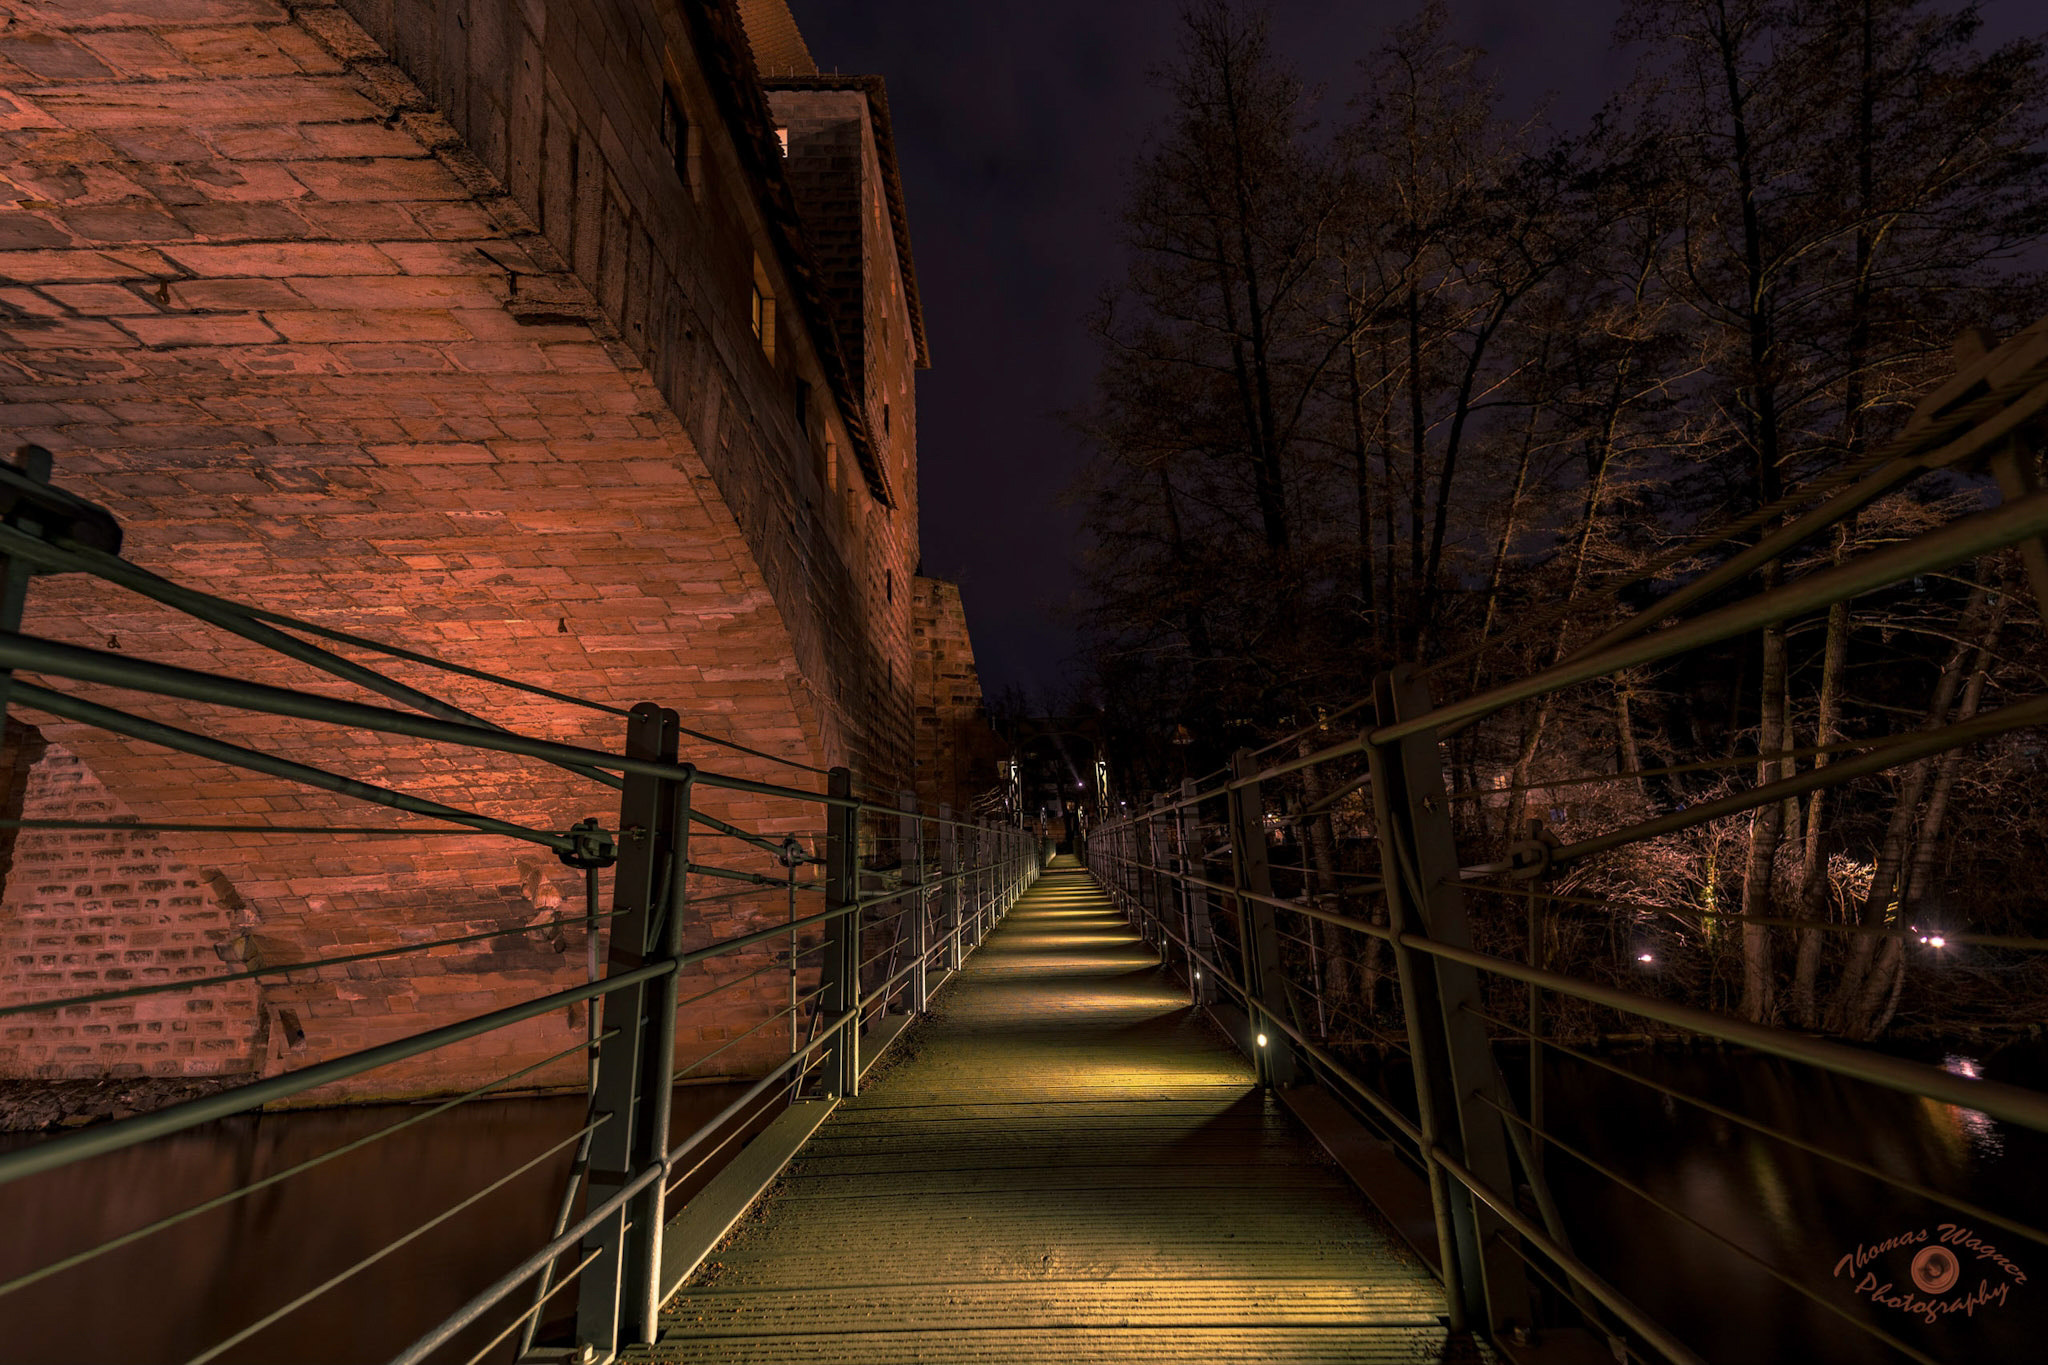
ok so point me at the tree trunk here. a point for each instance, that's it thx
(1361, 459)
(1625, 733)
(1255, 370)
(1322, 845)
(1880, 996)
(1845, 1009)
(1766, 829)
(1417, 429)
(1507, 537)
(1813, 872)
(1461, 412)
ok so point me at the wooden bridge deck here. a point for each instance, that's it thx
(1063, 1164)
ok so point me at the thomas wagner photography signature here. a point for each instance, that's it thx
(1949, 1269)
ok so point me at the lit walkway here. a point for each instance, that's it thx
(1063, 1164)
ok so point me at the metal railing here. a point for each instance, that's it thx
(861, 907)
(1395, 968)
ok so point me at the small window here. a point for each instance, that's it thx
(801, 393)
(678, 139)
(885, 419)
(782, 140)
(762, 311)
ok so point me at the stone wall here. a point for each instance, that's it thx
(91, 910)
(957, 748)
(563, 105)
(435, 322)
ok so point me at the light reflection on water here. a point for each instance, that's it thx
(1981, 1128)
(1794, 1212)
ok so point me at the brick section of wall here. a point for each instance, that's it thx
(495, 398)
(104, 910)
(957, 749)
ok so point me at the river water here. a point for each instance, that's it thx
(172, 1296)
(181, 1291)
(1800, 1215)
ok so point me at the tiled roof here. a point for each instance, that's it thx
(778, 45)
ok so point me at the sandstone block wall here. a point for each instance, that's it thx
(401, 316)
(102, 910)
(957, 748)
(562, 103)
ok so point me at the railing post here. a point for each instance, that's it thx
(840, 986)
(1138, 879)
(949, 895)
(1456, 1079)
(1155, 842)
(989, 848)
(910, 843)
(617, 1295)
(1195, 926)
(1258, 934)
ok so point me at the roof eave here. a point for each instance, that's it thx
(721, 43)
(892, 184)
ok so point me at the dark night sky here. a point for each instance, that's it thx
(1015, 125)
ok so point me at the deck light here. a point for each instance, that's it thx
(1262, 1040)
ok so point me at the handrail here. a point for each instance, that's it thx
(959, 875)
(29, 654)
(1222, 923)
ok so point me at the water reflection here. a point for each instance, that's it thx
(178, 1292)
(1983, 1132)
(1757, 1205)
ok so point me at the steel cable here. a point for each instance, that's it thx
(1623, 1182)
(1897, 1182)
(309, 964)
(219, 1201)
(366, 1262)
